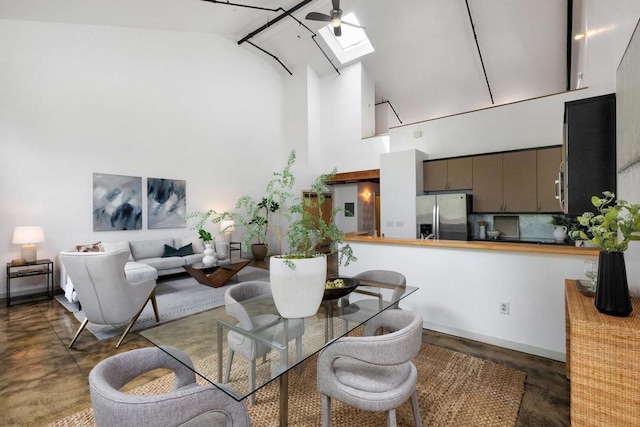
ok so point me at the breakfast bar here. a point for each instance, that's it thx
(489, 291)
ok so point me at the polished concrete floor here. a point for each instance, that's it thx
(41, 380)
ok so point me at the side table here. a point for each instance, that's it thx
(603, 354)
(235, 246)
(42, 267)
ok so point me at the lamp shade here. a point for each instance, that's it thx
(24, 235)
(227, 225)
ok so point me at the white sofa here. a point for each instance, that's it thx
(146, 261)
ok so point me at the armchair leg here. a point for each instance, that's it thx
(416, 409)
(154, 303)
(326, 411)
(299, 354)
(152, 297)
(75, 337)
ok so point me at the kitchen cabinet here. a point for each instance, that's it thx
(519, 189)
(590, 151)
(448, 174)
(505, 182)
(547, 166)
(487, 183)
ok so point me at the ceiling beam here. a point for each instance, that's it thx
(484, 70)
(276, 20)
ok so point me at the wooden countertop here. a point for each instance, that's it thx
(480, 245)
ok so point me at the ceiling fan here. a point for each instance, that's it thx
(334, 17)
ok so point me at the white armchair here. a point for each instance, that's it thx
(107, 297)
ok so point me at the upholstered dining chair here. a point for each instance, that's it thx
(186, 404)
(363, 309)
(373, 372)
(247, 347)
(107, 297)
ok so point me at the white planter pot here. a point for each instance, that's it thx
(209, 255)
(298, 292)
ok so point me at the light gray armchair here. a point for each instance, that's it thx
(248, 347)
(107, 297)
(373, 372)
(363, 309)
(187, 404)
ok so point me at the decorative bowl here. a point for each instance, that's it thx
(333, 293)
(494, 234)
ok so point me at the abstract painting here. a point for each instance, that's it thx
(117, 202)
(166, 203)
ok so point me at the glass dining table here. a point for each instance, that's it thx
(203, 336)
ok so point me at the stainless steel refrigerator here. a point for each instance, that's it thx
(443, 216)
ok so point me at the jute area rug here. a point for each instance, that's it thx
(454, 389)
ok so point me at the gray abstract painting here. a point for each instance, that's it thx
(166, 203)
(117, 202)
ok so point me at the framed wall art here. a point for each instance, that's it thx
(117, 202)
(166, 203)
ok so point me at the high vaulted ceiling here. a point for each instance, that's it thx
(426, 62)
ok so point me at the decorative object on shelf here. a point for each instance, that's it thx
(591, 273)
(209, 258)
(28, 237)
(612, 292)
(494, 234)
(166, 203)
(560, 227)
(482, 227)
(123, 212)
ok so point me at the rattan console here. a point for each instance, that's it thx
(603, 362)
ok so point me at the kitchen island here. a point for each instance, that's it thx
(463, 285)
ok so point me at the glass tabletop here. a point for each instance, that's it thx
(286, 342)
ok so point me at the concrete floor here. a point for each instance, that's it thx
(41, 380)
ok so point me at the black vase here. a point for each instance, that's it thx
(612, 294)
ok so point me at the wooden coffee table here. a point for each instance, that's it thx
(216, 275)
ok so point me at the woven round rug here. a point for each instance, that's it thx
(454, 389)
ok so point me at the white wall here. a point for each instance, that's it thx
(346, 193)
(79, 99)
(400, 182)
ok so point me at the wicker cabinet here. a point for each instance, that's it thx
(603, 362)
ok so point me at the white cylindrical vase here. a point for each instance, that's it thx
(297, 292)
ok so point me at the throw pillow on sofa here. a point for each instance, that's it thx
(91, 247)
(171, 251)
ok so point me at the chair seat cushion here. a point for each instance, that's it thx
(370, 378)
(138, 272)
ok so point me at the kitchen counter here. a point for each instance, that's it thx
(488, 245)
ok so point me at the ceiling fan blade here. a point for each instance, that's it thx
(336, 4)
(352, 25)
(337, 31)
(316, 16)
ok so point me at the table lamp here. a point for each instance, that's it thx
(227, 226)
(28, 237)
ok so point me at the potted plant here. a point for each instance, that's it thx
(209, 253)
(298, 277)
(615, 219)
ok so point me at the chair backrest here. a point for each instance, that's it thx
(392, 278)
(242, 292)
(106, 295)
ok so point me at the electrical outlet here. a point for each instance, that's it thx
(504, 307)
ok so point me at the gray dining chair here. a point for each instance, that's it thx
(363, 309)
(186, 404)
(107, 297)
(247, 347)
(373, 372)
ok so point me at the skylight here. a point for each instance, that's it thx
(352, 44)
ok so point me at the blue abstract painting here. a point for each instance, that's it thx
(117, 202)
(166, 203)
